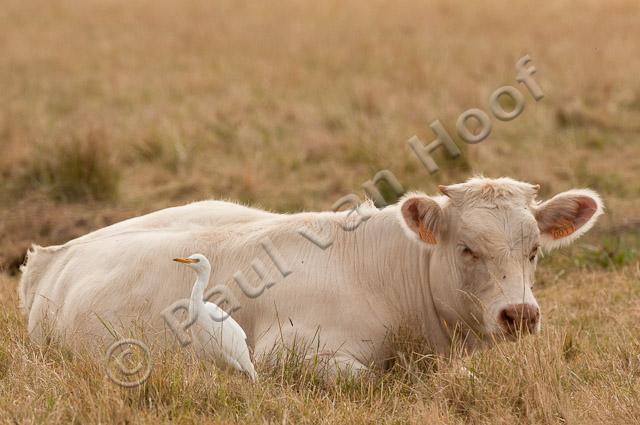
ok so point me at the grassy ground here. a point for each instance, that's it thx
(111, 109)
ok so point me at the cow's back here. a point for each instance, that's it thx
(73, 271)
(203, 213)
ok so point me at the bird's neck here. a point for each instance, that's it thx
(197, 293)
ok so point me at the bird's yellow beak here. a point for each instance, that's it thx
(185, 260)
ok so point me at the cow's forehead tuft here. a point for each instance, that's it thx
(482, 192)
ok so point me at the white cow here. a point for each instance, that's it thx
(462, 262)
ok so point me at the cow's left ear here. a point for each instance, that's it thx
(567, 216)
(421, 218)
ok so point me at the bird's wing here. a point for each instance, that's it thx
(219, 315)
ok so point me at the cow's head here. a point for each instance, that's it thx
(484, 238)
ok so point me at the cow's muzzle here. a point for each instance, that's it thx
(519, 318)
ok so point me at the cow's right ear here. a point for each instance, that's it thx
(421, 218)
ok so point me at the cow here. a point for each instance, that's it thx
(456, 266)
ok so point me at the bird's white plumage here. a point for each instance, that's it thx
(215, 333)
(219, 315)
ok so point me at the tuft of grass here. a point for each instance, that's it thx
(168, 152)
(609, 251)
(612, 253)
(80, 169)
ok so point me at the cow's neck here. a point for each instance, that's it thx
(395, 272)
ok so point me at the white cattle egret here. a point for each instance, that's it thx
(217, 334)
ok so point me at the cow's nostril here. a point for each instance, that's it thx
(505, 317)
(518, 317)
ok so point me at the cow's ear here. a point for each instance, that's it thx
(567, 216)
(421, 218)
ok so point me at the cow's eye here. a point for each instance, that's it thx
(466, 251)
(533, 255)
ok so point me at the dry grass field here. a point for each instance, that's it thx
(110, 109)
